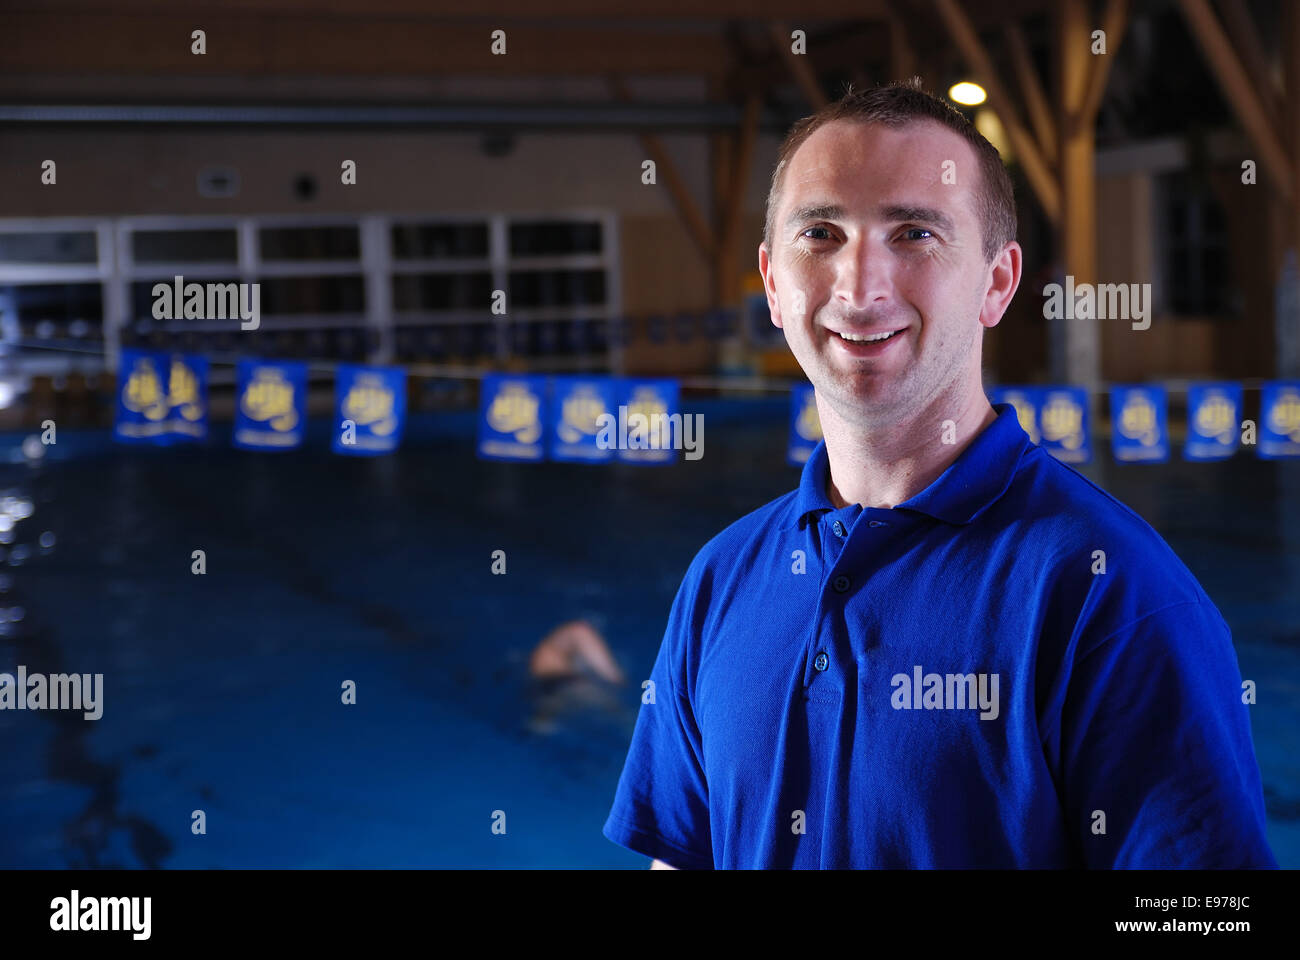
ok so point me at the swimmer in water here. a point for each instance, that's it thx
(572, 667)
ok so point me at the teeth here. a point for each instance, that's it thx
(872, 338)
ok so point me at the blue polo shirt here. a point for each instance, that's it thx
(1010, 670)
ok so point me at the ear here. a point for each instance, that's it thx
(1003, 280)
(769, 284)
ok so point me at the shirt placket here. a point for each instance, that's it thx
(847, 537)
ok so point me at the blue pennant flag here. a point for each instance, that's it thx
(1063, 420)
(805, 424)
(1026, 401)
(187, 397)
(142, 408)
(1213, 420)
(578, 405)
(1279, 419)
(270, 404)
(512, 417)
(1139, 418)
(371, 408)
(648, 425)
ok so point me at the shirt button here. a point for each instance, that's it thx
(840, 584)
(822, 661)
(838, 528)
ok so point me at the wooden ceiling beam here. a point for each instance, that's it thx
(483, 10)
(285, 46)
(1250, 49)
(1031, 88)
(902, 55)
(797, 64)
(1037, 172)
(695, 222)
(738, 178)
(1114, 22)
(844, 49)
(1236, 87)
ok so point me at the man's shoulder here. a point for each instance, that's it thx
(729, 546)
(1069, 515)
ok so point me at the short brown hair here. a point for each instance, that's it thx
(896, 106)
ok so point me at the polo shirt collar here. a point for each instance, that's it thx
(970, 484)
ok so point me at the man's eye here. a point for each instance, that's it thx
(822, 229)
(908, 233)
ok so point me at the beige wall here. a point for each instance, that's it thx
(108, 173)
(113, 173)
(139, 172)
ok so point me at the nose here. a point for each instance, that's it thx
(864, 273)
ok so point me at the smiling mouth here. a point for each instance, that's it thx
(869, 337)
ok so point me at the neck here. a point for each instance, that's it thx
(879, 465)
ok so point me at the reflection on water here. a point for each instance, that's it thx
(95, 834)
(222, 690)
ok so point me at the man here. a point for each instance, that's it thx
(945, 648)
(571, 668)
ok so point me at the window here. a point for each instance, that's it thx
(440, 241)
(185, 246)
(379, 288)
(554, 237)
(45, 314)
(64, 246)
(309, 243)
(557, 273)
(1194, 277)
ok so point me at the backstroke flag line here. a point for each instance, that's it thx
(162, 398)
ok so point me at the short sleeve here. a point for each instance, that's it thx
(661, 805)
(1157, 749)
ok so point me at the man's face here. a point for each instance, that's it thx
(869, 239)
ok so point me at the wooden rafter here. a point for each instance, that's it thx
(253, 45)
(1031, 88)
(739, 174)
(846, 49)
(695, 222)
(1245, 36)
(1114, 21)
(902, 55)
(731, 177)
(967, 41)
(798, 65)
(502, 9)
(1291, 72)
(1236, 87)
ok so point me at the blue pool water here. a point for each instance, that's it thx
(223, 690)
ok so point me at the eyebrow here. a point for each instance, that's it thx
(892, 212)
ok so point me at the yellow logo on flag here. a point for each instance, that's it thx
(1063, 421)
(1137, 420)
(143, 393)
(515, 410)
(369, 402)
(1216, 417)
(578, 414)
(269, 398)
(1284, 416)
(183, 390)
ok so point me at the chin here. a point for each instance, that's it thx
(874, 395)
